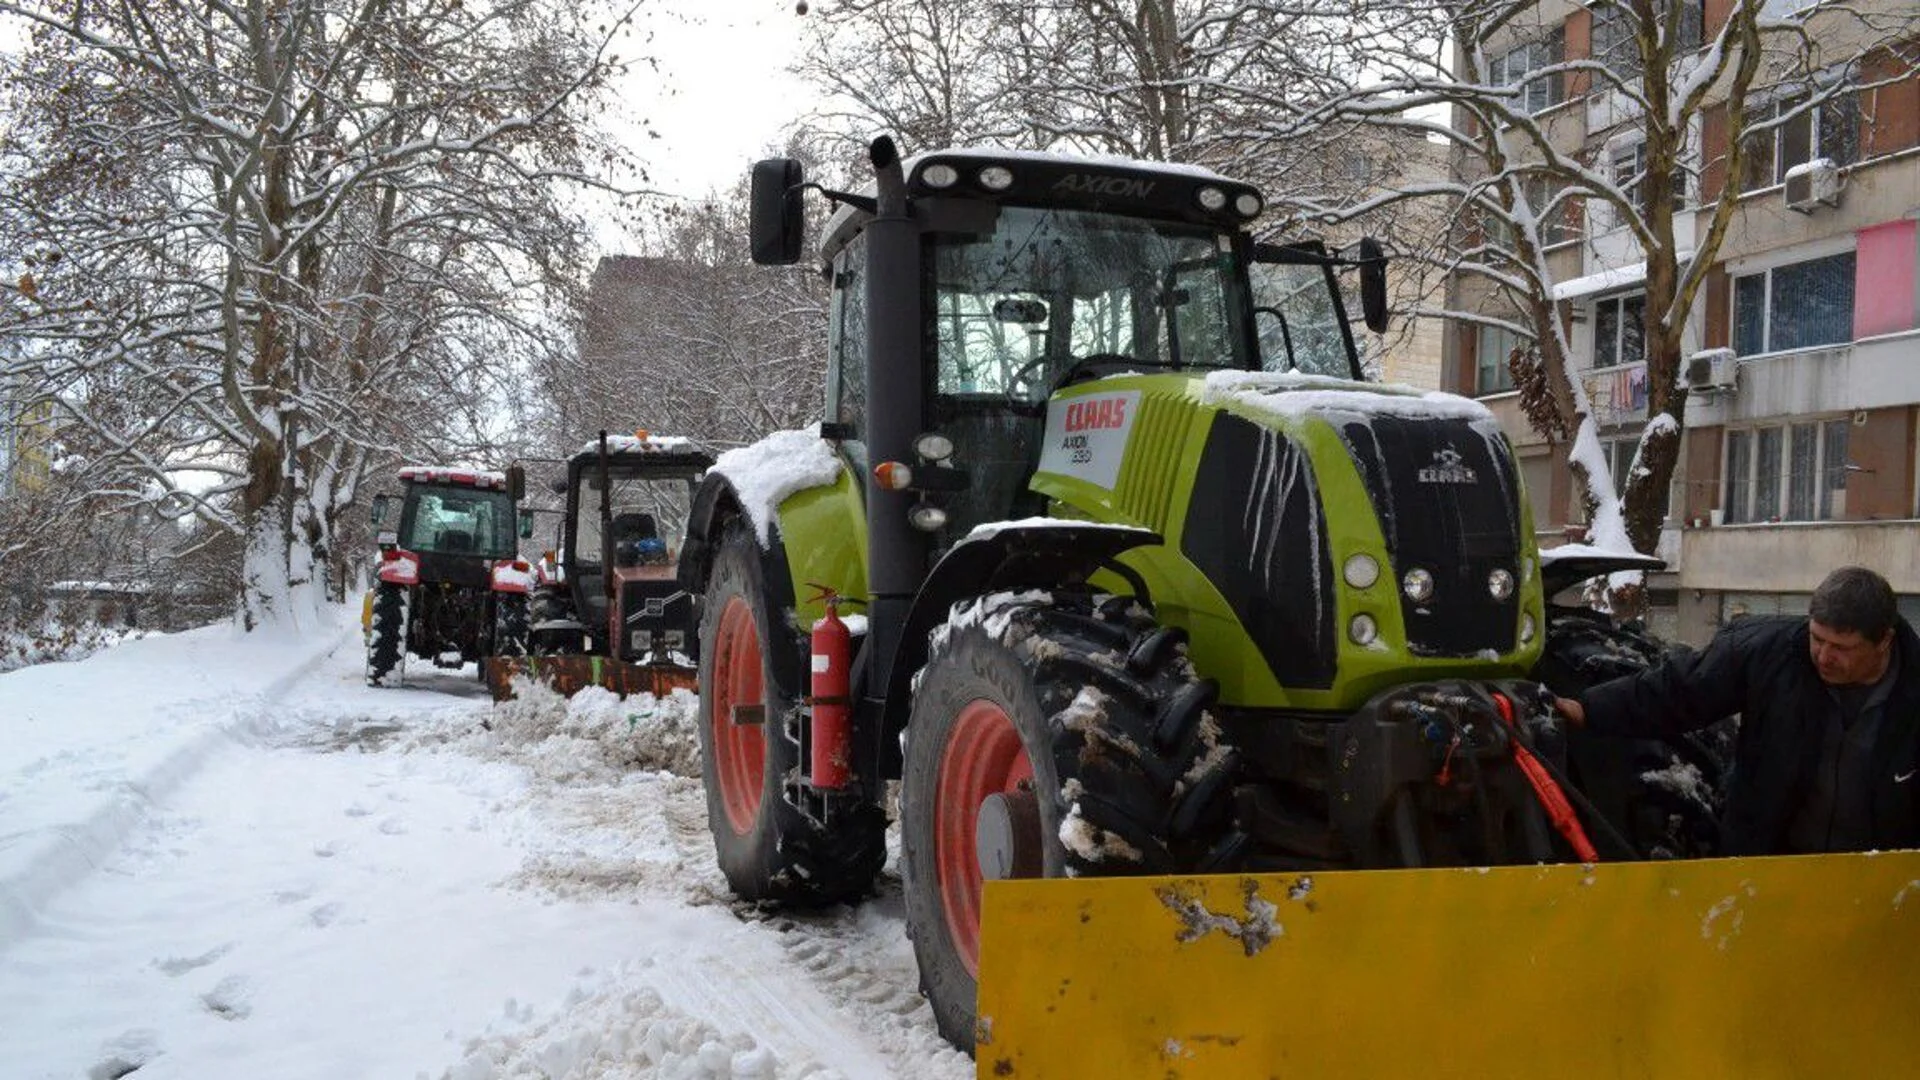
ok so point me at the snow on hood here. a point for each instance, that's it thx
(1291, 395)
(991, 529)
(763, 474)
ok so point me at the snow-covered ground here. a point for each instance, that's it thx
(227, 857)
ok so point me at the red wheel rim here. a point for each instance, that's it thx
(983, 756)
(739, 750)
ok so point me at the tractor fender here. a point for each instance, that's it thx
(1038, 553)
(398, 566)
(512, 576)
(715, 505)
(715, 502)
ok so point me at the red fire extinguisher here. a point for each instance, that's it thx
(832, 729)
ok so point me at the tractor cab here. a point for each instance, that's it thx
(627, 498)
(450, 586)
(1041, 274)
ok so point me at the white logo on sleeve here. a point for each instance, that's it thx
(1903, 777)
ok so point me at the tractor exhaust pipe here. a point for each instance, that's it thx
(897, 552)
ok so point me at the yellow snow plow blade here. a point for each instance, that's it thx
(1804, 966)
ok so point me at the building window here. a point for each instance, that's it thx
(1620, 454)
(1493, 374)
(1619, 330)
(1613, 30)
(1561, 223)
(1790, 472)
(1630, 168)
(1516, 67)
(1797, 306)
(1828, 128)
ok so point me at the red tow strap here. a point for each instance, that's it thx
(1552, 799)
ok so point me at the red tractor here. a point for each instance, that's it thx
(451, 585)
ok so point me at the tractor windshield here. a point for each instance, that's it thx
(1299, 318)
(1017, 308)
(649, 512)
(446, 519)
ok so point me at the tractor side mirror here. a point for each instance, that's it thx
(1373, 285)
(516, 483)
(776, 222)
(382, 506)
(526, 524)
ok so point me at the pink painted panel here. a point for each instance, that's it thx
(1883, 290)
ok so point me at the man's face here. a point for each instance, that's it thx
(1844, 657)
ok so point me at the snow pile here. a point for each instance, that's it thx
(765, 473)
(596, 735)
(1291, 395)
(639, 1035)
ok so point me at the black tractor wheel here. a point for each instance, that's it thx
(750, 750)
(510, 625)
(387, 635)
(1069, 741)
(1664, 797)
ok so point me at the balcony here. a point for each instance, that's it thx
(1870, 373)
(1792, 557)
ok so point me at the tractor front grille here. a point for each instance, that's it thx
(1448, 503)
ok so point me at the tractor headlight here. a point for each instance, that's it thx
(1418, 585)
(996, 178)
(940, 176)
(1211, 198)
(1361, 571)
(1362, 630)
(927, 518)
(1526, 629)
(933, 446)
(1500, 584)
(1247, 204)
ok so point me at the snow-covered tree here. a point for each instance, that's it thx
(694, 340)
(1673, 99)
(251, 248)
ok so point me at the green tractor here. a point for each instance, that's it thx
(1138, 575)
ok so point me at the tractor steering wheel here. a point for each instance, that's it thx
(1084, 367)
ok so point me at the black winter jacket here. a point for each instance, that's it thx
(1761, 669)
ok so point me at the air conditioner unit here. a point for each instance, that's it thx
(1813, 184)
(1713, 369)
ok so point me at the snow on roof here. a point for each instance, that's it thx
(764, 473)
(1107, 161)
(443, 474)
(643, 442)
(1618, 277)
(844, 212)
(1292, 394)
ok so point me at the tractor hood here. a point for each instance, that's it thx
(1352, 529)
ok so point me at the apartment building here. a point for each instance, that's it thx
(1800, 450)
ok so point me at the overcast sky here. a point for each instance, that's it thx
(722, 93)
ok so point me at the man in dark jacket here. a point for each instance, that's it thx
(1829, 707)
